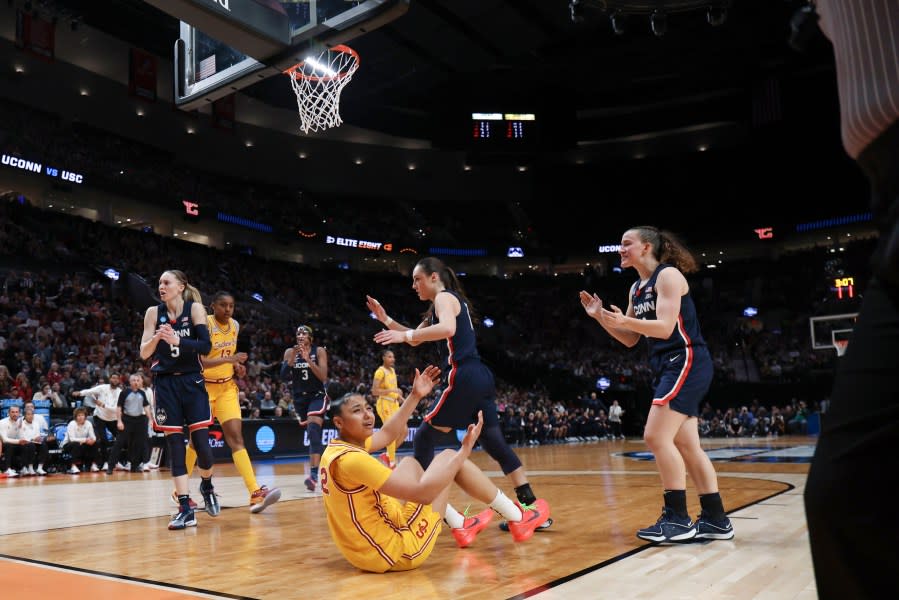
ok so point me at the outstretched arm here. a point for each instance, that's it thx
(446, 307)
(403, 483)
(383, 337)
(396, 425)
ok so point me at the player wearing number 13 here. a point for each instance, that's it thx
(175, 336)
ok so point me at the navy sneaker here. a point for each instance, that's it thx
(669, 528)
(504, 525)
(184, 518)
(708, 528)
(211, 501)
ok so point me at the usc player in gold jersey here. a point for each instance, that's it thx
(374, 530)
(220, 367)
(385, 389)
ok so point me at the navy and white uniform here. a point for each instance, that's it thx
(309, 398)
(681, 365)
(178, 385)
(470, 386)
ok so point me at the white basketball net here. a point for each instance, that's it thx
(317, 82)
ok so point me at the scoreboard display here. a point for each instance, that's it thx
(503, 131)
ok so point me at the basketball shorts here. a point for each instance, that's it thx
(223, 400)
(310, 406)
(683, 378)
(181, 400)
(470, 387)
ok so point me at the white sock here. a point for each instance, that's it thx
(453, 517)
(505, 507)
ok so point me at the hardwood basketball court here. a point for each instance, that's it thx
(98, 536)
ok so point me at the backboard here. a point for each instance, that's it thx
(227, 45)
(827, 331)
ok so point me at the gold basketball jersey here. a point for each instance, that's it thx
(370, 529)
(224, 343)
(387, 377)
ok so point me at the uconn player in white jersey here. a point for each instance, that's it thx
(661, 310)
(175, 336)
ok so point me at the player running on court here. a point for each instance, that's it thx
(220, 367)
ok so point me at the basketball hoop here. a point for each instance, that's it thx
(841, 346)
(317, 82)
(840, 339)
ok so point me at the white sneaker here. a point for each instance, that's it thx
(145, 467)
(74, 470)
(40, 471)
(11, 472)
(120, 467)
(105, 466)
(94, 468)
(31, 470)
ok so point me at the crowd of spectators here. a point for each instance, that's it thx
(64, 326)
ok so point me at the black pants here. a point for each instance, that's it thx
(11, 458)
(135, 435)
(849, 506)
(34, 454)
(101, 426)
(86, 454)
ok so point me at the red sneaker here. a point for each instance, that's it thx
(471, 526)
(262, 498)
(532, 516)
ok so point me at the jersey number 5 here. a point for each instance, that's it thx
(175, 351)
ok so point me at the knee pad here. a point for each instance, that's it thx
(200, 439)
(423, 444)
(314, 431)
(175, 444)
(495, 445)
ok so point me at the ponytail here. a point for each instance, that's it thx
(190, 293)
(450, 281)
(667, 248)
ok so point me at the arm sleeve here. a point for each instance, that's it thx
(285, 371)
(201, 345)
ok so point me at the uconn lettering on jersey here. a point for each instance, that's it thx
(644, 307)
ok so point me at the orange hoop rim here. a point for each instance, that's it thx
(296, 71)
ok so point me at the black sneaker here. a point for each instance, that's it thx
(713, 529)
(184, 518)
(504, 525)
(211, 501)
(669, 528)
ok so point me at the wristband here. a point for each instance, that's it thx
(409, 335)
(388, 321)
